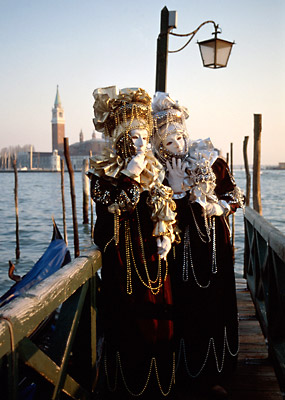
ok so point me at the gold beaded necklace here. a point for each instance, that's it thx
(153, 285)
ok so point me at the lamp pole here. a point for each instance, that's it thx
(162, 52)
(214, 52)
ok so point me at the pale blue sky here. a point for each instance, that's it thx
(84, 44)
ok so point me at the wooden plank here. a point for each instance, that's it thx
(255, 378)
(72, 331)
(26, 312)
(255, 395)
(40, 362)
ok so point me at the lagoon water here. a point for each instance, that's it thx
(39, 197)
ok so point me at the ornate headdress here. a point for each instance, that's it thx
(116, 113)
(168, 118)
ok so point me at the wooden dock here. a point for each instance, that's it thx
(254, 378)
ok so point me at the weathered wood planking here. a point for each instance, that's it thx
(27, 311)
(255, 377)
(68, 288)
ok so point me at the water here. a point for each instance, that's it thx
(273, 208)
(39, 197)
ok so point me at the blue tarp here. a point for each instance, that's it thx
(55, 256)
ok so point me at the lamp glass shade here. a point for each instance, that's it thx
(215, 52)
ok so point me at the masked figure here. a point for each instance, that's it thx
(206, 321)
(134, 231)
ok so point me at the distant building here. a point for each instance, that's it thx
(83, 149)
(33, 160)
(58, 124)
(38, 160)
(79, 150)
(55, 161)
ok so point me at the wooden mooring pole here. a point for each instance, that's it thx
(85, 186)
(17, 251)
(233, 215)
(247, 173)
(256, 192)
(63, 200)
(73, 197)
(91, 206)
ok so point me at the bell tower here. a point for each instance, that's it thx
(58, 124)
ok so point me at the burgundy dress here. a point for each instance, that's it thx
(137, 321)
(205, 308)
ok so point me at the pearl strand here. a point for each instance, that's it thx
(187, 255)
(153, 361)
(214, 254)
(219, 363)
(200, 233)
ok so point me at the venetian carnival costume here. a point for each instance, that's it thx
(203, 282)
(133, 210)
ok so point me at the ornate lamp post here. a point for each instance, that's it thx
(214, 52)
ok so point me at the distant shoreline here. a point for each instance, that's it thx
(237, 167)
(35, 170)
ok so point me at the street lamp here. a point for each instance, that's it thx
(214, 52)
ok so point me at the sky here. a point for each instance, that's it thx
(85, 44)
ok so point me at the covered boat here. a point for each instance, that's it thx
(56, 256)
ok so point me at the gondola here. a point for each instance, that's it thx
(56, 256)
